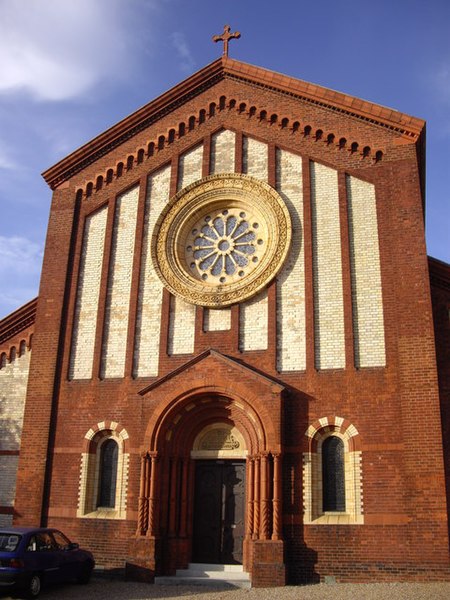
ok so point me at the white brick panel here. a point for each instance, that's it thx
(8, 470)
(119, 285)
(223, 152)
(13, 389)
(190, 167)
(327, 264)
(217, 320)
(291, 344)
(181, 326)
(148, 325)
(253, 330)
(253, 333)
(255, 158)
(368, 327)
(85, 321)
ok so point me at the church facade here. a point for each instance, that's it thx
(234, 358)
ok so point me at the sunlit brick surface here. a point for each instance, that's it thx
(253, 333)
(181, 326)
(327, 265)
(366, 278)
(119, 285)
(148, 324)
(85, 322)
(291, 342)
(222, 152)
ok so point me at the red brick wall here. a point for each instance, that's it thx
(395, 409)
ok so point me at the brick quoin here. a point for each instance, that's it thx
(393, 411)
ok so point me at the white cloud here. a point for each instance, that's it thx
(5, 161)
(57, 49)
(19, 255)
(187, 63)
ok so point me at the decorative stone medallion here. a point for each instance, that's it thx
(221, 239)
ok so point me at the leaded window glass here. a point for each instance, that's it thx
(108, 474)
(333, 474)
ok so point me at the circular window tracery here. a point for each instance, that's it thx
(223, 245)
(221, 239)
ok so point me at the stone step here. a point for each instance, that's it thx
(212, 567)
(224, 576)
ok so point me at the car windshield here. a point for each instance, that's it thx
(9, 541)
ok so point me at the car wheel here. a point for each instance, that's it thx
(85, 574)
(33, 588)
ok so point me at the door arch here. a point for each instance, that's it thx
(166, 500)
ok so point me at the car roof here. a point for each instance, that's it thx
(24, 530)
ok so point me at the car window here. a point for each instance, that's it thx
(44, 542)
(61, 541)
(9, 542)
(32, 544)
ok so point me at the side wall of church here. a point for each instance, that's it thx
(440, 295)
(15, 356)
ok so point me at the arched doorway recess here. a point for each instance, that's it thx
(174, 440)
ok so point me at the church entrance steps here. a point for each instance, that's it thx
(209, 575)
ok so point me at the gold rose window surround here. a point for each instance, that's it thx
(221, 239)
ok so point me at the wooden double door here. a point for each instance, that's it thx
(219, 511)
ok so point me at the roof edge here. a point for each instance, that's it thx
(218, 355)
(204, 78)
(439, 272)
(18, 320)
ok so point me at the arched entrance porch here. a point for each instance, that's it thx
(189, 436)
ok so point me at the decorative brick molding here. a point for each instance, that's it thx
(90, 468)
(266, 118)
(317, 433)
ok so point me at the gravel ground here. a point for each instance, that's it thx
(99, 589)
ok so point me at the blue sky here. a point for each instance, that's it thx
(72, 69)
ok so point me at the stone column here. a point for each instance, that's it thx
(276, 530)
(264, 501)
(250, 497)
(152, 495)
(143, 498)
(256, 495)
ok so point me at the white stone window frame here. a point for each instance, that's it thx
(313, 513)
(90, 473)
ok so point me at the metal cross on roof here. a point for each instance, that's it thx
(225, 37)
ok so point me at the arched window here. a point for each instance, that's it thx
(108, 474)
(104, 472)
(333, 474)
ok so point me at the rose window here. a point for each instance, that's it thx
(224, 246)
(221, 239)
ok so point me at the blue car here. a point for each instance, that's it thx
(30, 557)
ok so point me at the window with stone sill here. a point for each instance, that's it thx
(103, 478)
(332, 479)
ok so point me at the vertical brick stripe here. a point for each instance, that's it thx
(222, 152)
(253, 320)
(13, 386)
(181, 327)
(223, 145)
(182, 314)
(327, 264)
(365, 271)
(119, 285)
(86, 308)
(148, 325)
(291, 344)
(190, 166)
